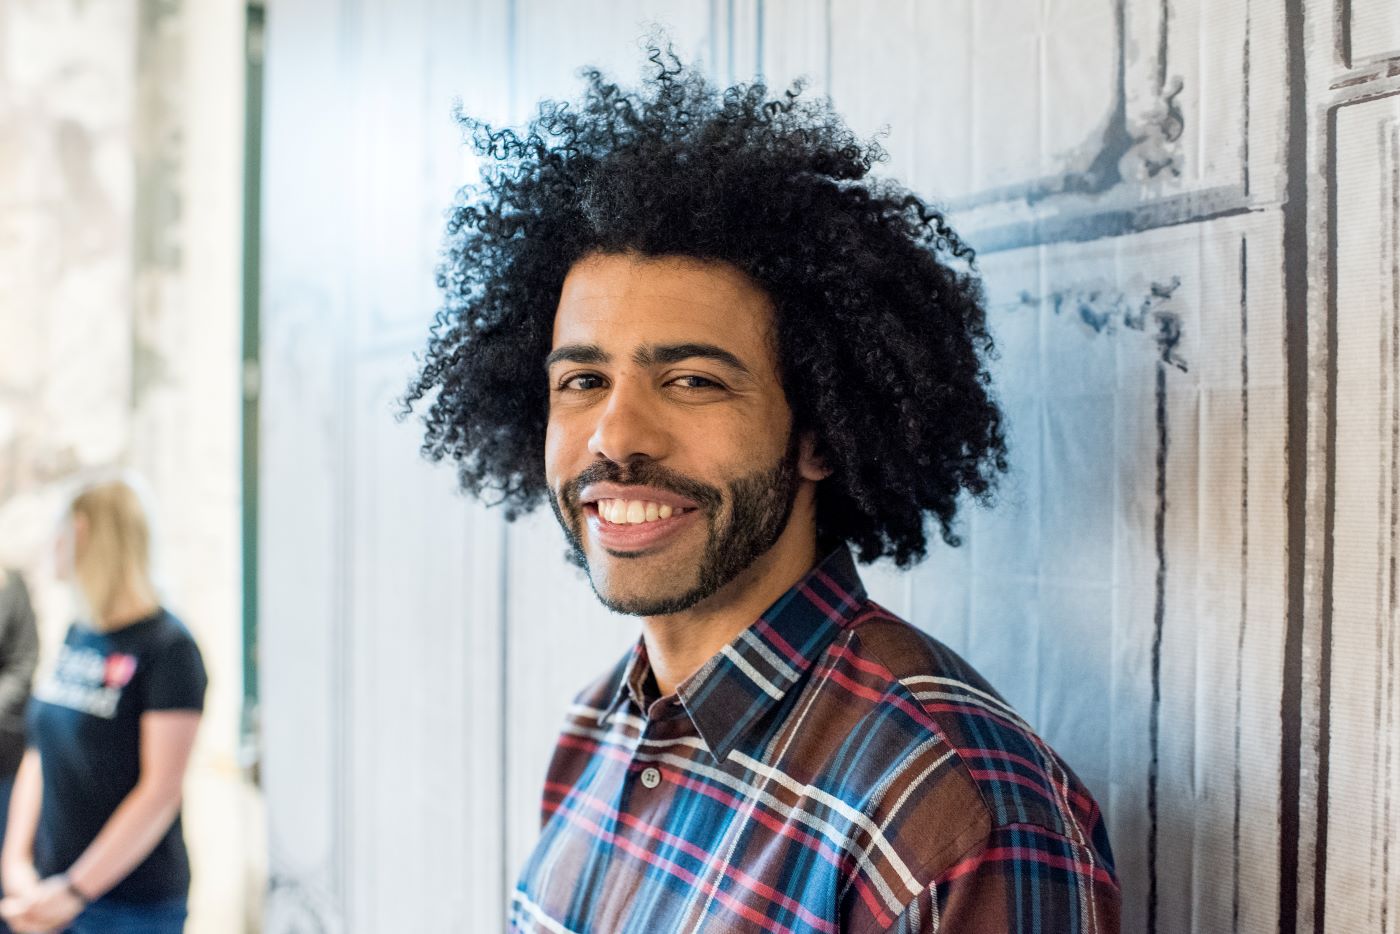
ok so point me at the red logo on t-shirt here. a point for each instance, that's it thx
(120, 668)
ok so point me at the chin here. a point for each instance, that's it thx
(635, 600)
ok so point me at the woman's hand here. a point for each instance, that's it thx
(48, 906)
(19, 876)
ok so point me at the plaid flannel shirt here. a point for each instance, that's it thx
(833, 769)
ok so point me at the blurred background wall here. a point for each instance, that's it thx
(1188, 220)
(121, 200)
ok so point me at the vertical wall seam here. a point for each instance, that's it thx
(1296, 349)
(1244, 579)
(1158, 624)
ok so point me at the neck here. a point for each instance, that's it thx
(679, 643)
(130, 605)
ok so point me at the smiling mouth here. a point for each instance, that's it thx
(632, 528)
(636, 511)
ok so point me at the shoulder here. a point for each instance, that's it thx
(15, 608)
(169, 633)
(989, 754)
(172, 670)
(949, 787)
(14, 595)
(584, 731)
(164, 647)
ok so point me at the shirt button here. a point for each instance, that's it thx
(651, 777)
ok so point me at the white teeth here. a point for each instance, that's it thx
(633, 511)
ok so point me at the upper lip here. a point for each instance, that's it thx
(648, 494)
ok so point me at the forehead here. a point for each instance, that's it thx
(624, 299)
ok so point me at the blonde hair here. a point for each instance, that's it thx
(116, 553)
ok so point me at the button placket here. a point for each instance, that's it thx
(662, 721)
(648, 777)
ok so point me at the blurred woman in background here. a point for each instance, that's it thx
(94, 842)
(19, 653)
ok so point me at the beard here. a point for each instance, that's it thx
(760, 505)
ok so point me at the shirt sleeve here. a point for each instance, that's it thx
(1021, 879)
(19, 646)
(176, 679)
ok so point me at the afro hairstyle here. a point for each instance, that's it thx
(881, 332)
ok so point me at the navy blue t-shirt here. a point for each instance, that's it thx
(85, 720)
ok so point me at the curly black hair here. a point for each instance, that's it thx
(879, 314)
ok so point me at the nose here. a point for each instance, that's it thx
(628, 427)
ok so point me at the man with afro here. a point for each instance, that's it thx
(733, 363)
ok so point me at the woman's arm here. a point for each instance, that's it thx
(146, 813)
(129, 835)
(17, 858)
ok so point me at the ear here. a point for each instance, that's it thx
(68, 543)
(810, 465)
(81, 530)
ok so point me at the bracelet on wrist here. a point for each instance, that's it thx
(74, 890)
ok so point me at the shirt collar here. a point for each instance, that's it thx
(752, 675)
(630, 683)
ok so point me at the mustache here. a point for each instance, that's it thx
(643, 473)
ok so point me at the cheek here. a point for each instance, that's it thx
(765, 439)
(561, 450)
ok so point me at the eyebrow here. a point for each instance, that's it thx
(675, 353)
(576, 353)
(658, 355)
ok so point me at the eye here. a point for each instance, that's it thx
(580, 382)
(696, 382)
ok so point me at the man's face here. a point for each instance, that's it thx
(670, 454)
